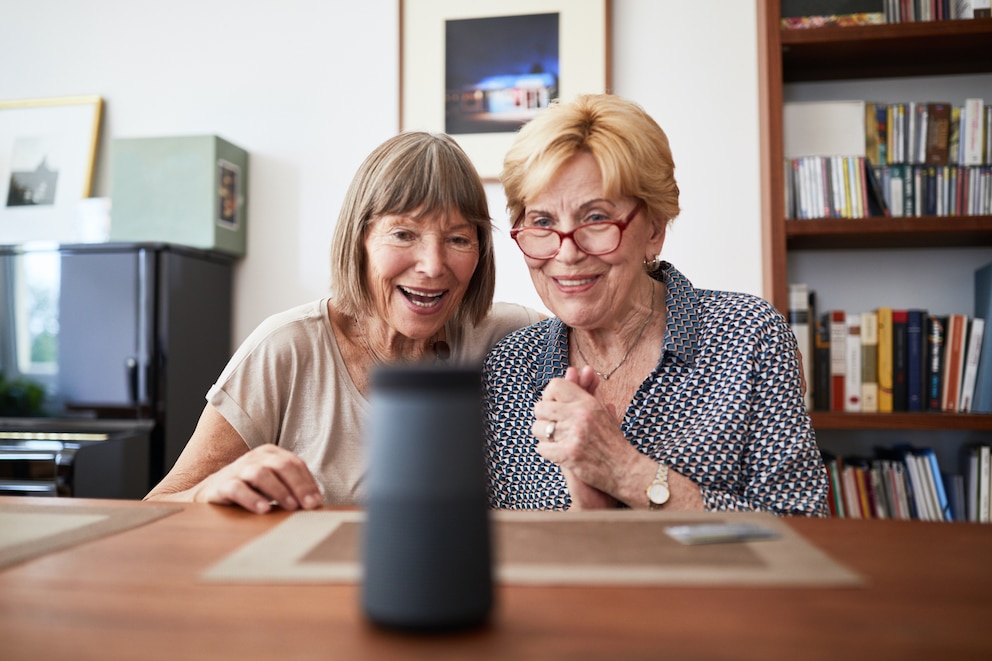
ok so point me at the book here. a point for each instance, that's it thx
(957, 327)
(821, 363)
(799, 316)
(982, 506)
(976, 332)
(915, 361)
(869, 362)
(884, 315)
(852, 368)
(936, 482)
(838, 359)
(971, 131)
(935, 362)
(835, 489)
(802, 14)
(938, 133)
(982, 401)
(899, 357)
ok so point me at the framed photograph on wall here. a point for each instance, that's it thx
(479, 71)
(47, 153)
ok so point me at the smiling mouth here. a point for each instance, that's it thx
(576, 282)
(422, 299)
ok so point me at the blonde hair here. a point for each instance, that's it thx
(413, 172)
(630, 148)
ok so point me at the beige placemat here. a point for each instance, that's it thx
(28, 531)
(553, 548)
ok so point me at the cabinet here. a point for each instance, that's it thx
(116, 332)
(862, 56)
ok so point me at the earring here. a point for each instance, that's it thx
(651, 265)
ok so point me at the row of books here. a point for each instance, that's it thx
(905, 482)
(935, 190)
(832, 187)
(931, 133)
(803, 14)
(892, 360)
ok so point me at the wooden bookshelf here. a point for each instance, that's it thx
(927, 421)
(939, 48)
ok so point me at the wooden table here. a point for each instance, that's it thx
(137, 595)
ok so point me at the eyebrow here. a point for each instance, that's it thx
(582, 207)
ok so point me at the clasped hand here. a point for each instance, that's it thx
(587, 442)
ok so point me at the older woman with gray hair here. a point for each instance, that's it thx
(413, 276)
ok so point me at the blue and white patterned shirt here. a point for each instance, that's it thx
(723, 407)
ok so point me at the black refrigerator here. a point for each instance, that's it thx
(106, 333)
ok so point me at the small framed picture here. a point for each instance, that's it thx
(228, 194)
(47, 153)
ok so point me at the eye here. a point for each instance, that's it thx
(538, 221)
(597, 217)
(461, 241)
(399, 235)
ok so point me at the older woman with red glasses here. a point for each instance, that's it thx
(643, 391)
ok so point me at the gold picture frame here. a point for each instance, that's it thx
(48, 151)
(439, 91)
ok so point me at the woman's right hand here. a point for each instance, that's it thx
(264, 477)
(216, 466)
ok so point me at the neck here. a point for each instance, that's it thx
(604, 355)
(386, 346)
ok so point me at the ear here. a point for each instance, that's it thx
(656, 238)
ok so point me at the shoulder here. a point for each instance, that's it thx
(293, 331)
(503, 318)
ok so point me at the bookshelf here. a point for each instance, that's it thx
(853, 56)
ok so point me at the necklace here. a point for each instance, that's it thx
(607, 375)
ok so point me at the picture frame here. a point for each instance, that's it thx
(48, 151)
(487, 73)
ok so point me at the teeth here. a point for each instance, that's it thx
(575, 283)
(413, 294)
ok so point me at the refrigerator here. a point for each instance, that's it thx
(110, 332)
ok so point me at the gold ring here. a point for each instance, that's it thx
(549, 431)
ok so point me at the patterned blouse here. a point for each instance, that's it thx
(723, 407)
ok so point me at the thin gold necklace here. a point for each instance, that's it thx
(607, 375)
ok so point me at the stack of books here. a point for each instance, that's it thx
(905, 482)
(804, 14)
(892, 360)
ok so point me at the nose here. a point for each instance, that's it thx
(431, 255)
(569, 251)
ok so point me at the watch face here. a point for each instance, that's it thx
(658, 493)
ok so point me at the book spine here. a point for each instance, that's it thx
(821, 364)
(914, 360)
(852, 369)
(799, 315)
(884, 359)
(954, 362)
(838, 359)
(899, 358)
(975, 336)
(869, 362)
(935, 361)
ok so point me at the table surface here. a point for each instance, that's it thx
(138, 594)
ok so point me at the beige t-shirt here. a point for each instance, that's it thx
(287, 384)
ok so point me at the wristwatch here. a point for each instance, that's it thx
(658, 493)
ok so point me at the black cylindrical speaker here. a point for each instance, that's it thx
(427, 558)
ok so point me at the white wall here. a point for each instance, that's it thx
(309, 87)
